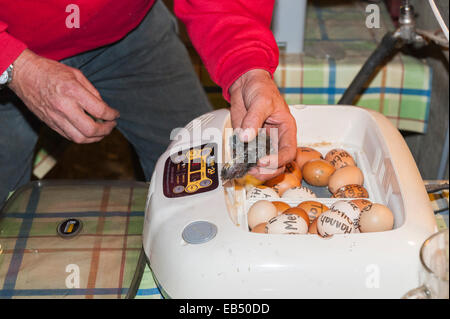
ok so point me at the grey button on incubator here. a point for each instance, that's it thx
(199, 232)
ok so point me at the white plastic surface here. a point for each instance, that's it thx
(239, 264)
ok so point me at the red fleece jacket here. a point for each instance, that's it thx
(231, 36)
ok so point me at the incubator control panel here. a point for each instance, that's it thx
(191, 171)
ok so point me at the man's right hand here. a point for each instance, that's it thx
(60, 95)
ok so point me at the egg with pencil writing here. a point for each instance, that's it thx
(260, 212)
(262, 192)
(293, 168)
(348, 208)
(287, 224)
(361, 203)
(283, 182)
(299, 212)
(313, 208)
(334, 222)
(351, 191)
(298, 192)
(339, 158)
(305, 154)
(345, 176)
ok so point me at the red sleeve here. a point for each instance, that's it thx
(231, 36)
(10, 48)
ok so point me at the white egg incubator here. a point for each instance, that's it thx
(198, 244)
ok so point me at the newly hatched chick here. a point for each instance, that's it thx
(246, 155)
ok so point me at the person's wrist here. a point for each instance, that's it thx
(20, 65)
(249, 75)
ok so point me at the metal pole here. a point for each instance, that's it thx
(444, 158)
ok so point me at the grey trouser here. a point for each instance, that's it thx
(147, 76)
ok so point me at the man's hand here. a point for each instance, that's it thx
(257, 103)
(60, 95)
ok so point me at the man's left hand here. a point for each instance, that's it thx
(257, 103)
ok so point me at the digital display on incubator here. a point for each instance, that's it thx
(197, 173)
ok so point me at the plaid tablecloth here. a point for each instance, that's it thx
(99, 262)
(440, 204)
(337, 43)
(36, 263)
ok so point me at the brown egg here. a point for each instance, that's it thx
(313, 209)
(260, 212)
(317, 172)
(293, 168)
(298, 192)
(287, 224)
(281, 206)
(283, 182)
(313, 227)
(351, 191)
(262, 192)
(345, 176)
(334, 222)
(299, 212)
(375, 218)
(361, 203)
(260, 228)
(340, 158)
(305, 154)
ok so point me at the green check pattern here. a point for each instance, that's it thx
(35, 262)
